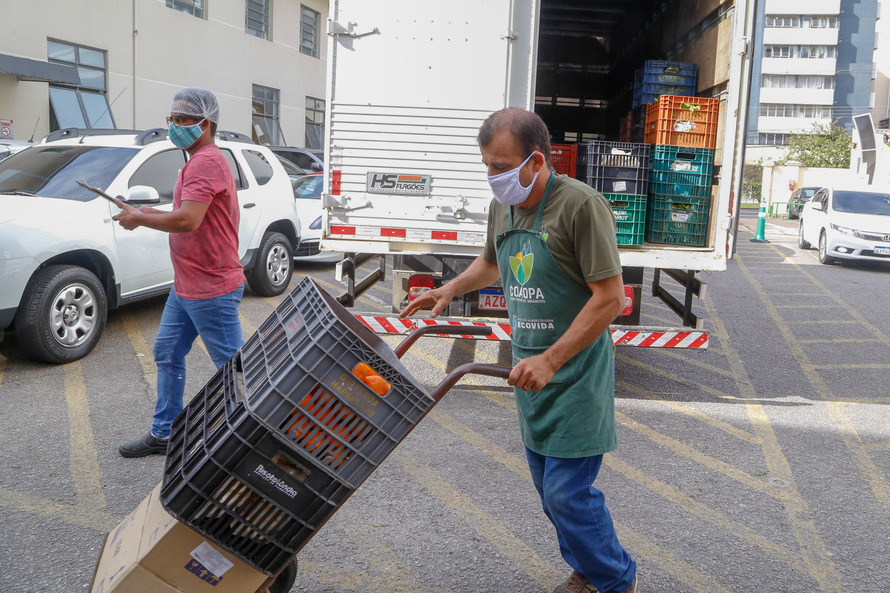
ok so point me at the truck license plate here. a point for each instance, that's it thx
(492, 299)
(881, 250)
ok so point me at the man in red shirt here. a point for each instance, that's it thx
(208, 279)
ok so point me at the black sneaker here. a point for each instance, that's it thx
(147, 445)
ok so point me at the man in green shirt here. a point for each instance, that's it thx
(551, 242)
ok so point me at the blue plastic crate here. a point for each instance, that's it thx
(658, 77)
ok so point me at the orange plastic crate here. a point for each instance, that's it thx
(564, 158)
(682, 121)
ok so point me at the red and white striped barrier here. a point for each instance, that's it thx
(621, 336)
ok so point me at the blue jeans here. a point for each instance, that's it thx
(216, 321)
(587, 538)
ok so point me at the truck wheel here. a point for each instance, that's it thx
(803, 244)
(274, 266)
(824, 258)
(62, 314)
(285, 580)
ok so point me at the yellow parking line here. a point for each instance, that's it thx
(674, 377)
(388, 575)
(676, 566)
(81, 516)
(690, 411)
(501, 538)
(838, 340)
(872, 474)
(686, 358)
(83, 458)
(850, 366)
(140, 346)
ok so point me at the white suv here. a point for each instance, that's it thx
(65, 263)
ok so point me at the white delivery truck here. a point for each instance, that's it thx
(409, 82)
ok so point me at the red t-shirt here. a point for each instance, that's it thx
(205, 261)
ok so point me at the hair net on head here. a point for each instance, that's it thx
(198, 103)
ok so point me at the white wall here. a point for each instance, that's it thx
(152, 51)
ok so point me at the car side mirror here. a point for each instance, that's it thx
(316, 166)
(143, 194)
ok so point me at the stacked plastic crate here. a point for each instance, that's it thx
(683, 130)
(620, 171)
(287, 429)
(564, 158)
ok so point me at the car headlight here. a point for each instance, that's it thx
(316, 224)
(844, 230)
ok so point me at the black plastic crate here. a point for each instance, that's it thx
(299, 380)
(230, 477)
(638, 124)
(615, 167)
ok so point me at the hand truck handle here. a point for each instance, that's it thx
(461, 330)
(475, 368)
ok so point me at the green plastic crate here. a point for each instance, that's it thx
(677, 220)
(630, 217)
(682, 171)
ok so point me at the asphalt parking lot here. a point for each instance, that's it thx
(759, 464)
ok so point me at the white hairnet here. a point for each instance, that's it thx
(198, 103)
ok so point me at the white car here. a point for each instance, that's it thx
(307, 192)
(65, 263)
(847, 224)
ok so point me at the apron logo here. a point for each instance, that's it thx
(521, 264)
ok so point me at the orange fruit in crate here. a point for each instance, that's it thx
(363, 371)
(378, 384)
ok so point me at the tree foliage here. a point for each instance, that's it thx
(752, 181)
(826, 146)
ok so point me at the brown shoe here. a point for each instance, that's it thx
(578, 584)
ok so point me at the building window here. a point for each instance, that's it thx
(792, 81)
(817, 51)
(821, 22)
(314, 122)
(777, 51)
(783, 21)
(769, 139)
(257, 17)
(266, 126)
(309, 31)
(804, 111)
(192, 7)
(84, 105)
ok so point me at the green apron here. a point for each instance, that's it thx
(574, 414)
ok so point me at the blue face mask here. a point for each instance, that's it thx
(184, 136)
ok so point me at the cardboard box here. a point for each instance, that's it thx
(151, 551)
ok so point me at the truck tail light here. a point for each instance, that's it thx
(628, 300)
(419, 284)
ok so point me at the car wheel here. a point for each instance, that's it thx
(62, 315)
(824, 258)
(801, 242)
(274, 267)
(285, 581)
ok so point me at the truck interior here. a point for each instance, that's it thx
(588, 51)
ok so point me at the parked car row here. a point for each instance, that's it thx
(847, 224)
(65, 263)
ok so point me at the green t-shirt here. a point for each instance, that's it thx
(580, 230)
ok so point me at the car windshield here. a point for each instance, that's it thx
(308, 187)
(862, 202)
(808, 192)
(51, 171)
(289, 167)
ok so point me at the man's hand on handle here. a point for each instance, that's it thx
(532, 374)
